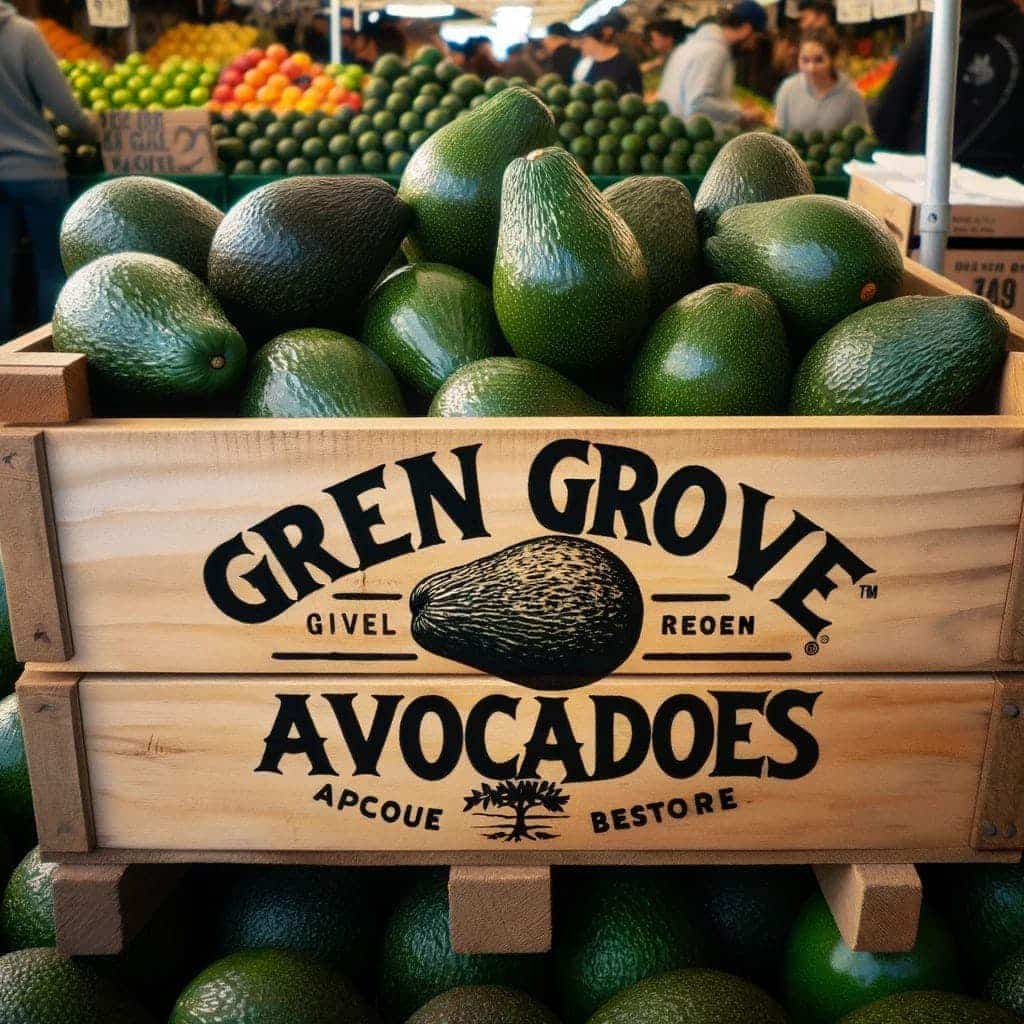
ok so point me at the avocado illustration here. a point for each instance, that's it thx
(551, 613)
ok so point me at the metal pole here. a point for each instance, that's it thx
(939, 143)
(335, 29)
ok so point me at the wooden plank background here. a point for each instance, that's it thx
(172, 767)
(934, 508)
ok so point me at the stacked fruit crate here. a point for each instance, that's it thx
(330, 642)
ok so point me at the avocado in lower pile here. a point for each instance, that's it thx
(271, 986)
(139, 214)
(483, 1004)
(506, 386)
(659, 212)
(38, 986)
(571, 288)
(152, 333)
(305, 251)
(550, 613)
(721, 351)
(914, 356)
(752, 168)
(1005, 986)
(453, 181)
(315, 372)
(693, 996)
(427, 320)
(930, 1008)
(819, 258)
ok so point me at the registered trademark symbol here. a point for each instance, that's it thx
(811, 647)
(823, 639)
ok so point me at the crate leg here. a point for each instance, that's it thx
(500, 909)
(99, 908)
(876, 906)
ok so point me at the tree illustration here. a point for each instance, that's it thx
(512, 801)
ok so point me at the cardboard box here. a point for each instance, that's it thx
(985, 252)
(157, 142)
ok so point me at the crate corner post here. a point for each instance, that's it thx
(500, 909)
(876, 907)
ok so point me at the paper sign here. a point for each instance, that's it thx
(852, 12)
(893, 8)
(157, 142)
(108, 13)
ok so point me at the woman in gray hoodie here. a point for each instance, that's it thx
(33, 184)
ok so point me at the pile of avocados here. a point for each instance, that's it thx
(498, 281)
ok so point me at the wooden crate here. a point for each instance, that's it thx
(852, 544)
(860, 775)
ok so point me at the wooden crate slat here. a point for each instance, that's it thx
(999, 822)
(876, 907)
(178, 762)
(58, 767)
(43, 387)
(33, 574)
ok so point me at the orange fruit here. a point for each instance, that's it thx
(278, 80)
(267, 66)
(244, 93)
(254, 77)
(291, 94)
(302, 60)
(276, 52)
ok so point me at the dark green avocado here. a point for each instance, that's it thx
(305, 252)
(752, 168)
(453, 181)
(550, 613)
(930, 1008)
(506, 386)
(659, 212)
(483, 1004)
(153, 335)
(819, 258)
(427, 320)
(139, 214)
(571, 288)
(316, 373)
(913, 356)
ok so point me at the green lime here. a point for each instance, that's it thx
(594, 127)
(631, 106)
(824, 979)
(394, 141)
(287, 149)
(373, 161)
(397, 161)
(604, 163)
(410, 121)
(632, 144)
(313, 149)
(368, 141)
(340, 145)
(349, 164)
(699, 128)
(384, 121)
(271, 166)
(629, 163)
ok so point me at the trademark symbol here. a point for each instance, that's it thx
(868, 591)
(823, 639)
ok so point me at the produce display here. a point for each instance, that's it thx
(826, 154)
(219, 42)
(68, 45)
(79, 155)
(134, 84)
(276, 80)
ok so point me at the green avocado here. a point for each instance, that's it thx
(819, 258)
(315, 373)
(506, 386)
(453, 181)
(271, 986)
(304, 252)
(694, 996)
(139, 214)
(1005, 986)
(930, 1008)
(483, 1004)
(659, 212)
(912, 356)
(571, 287)
(720, 351)
(427, 320)
(151, 331)
(752, 168)
(26, 914)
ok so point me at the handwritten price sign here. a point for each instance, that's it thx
(157, 142)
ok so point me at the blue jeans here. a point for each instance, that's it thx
(40, 204)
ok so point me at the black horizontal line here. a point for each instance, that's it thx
(342, 656)
(364, 596)
(722, 656)
(690, 597)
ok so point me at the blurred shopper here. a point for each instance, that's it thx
(609, 62)
(819, 97)
(519, 61)
(700, 75)
(33, 182)
(663, 36)
(816, 14)
(562, 55)
(616, 31)
(480, 57)
(987, 133)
